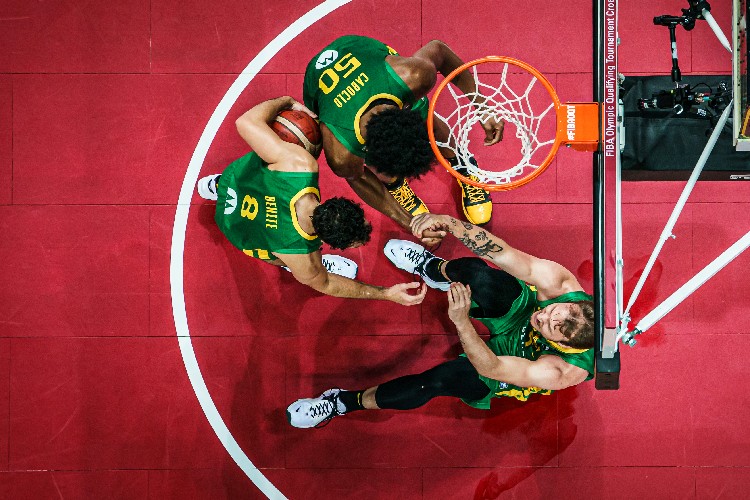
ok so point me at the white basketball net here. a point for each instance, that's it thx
(501, 102)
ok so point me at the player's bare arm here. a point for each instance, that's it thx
(363, 181)
(254, 127)
(344, 163)
(308, 270)
(547, 372)
(420, 70)
(550, 278)
(366, 184)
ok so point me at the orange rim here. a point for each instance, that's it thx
(431, 120)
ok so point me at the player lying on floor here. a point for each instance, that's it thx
(268, 206)
(539, 318)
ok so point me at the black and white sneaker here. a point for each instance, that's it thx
(342, 266)
(207, 187)
(315, 412)
(336, 264)
(412, 258)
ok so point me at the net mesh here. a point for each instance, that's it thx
(494, 101)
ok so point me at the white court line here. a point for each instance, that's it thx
(178, 240)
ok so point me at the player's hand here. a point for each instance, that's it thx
(493, 130)
(459, 302)
(432, 238)
(401, 293)
(429, 225)
(298, 106)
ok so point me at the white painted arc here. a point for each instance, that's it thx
(182, 210)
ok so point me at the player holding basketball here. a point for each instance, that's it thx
(268, 206)
(539, 318)
(372, 104)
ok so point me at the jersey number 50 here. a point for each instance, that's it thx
(330, 78)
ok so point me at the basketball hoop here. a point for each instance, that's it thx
(529, 110)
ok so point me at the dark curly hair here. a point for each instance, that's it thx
(578, 327)
(341, 223)
(397, 143)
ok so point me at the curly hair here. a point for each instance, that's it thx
(341, 223)
(578, 327)
(397, 143)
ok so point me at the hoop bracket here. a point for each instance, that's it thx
(578, 125)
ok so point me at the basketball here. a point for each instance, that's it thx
(299, 128)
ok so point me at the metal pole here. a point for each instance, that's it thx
(717, 30)
(692, 285)
(667, 233)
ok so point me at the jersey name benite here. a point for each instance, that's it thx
(256, 208)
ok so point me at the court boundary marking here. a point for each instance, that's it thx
(176, 263)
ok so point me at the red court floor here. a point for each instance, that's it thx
(102, 105)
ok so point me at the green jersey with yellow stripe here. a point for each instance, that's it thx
(513, 335)
(255, 208)
(344, 80)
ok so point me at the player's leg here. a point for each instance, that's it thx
(456, 378)
(400, 189)
(476, 202)
(492, 289)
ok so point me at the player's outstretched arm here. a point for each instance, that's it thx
(366, 184)
(437, 56)
(362, 180)
(372, 191)
(548, 372)
(550, 278)
(308, 270)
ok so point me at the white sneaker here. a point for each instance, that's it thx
(337, 264)
(312, 412)
(342, 266)
(207, 187)
(412, 258)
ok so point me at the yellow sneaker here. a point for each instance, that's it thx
(407, 199)
(475, 201)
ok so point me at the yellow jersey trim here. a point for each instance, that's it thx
(522, 393)
(566, 350)
(293, 211)
(262, 254)
(361, 111)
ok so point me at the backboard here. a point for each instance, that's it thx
(741, 111)
(606, 204)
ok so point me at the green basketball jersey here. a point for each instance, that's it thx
(513, 335)
(255, 209)
(345, 78)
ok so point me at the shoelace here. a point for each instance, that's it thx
(321, 408)
(404, 196)
(418, 257)
(324, 408)
(474, 193)
(329, 265)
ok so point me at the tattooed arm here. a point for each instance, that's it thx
(550, 278)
